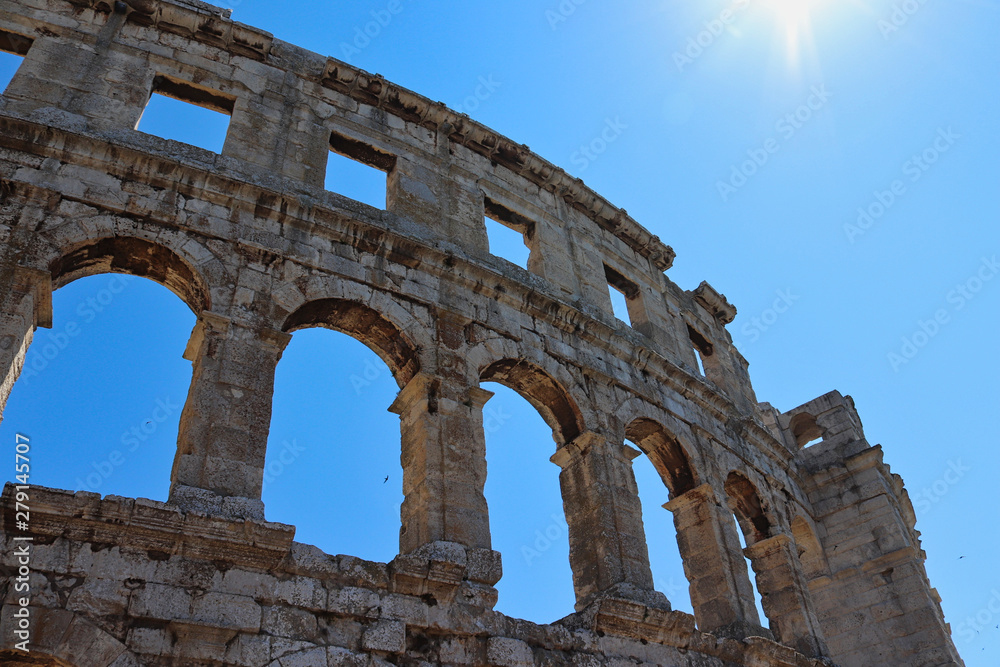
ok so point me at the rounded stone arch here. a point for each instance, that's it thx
(749, 508)
(365, 324)
(666, 453)
(667, 442)
(543, 391)
(546, 384)
(136, 256)
(70, 640)
(805, 429)
(72, 235)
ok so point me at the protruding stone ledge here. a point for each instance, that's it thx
(715, 303)
(447, 572)
(636, 621)
(151, 526)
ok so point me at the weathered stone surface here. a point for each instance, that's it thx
(257, 248)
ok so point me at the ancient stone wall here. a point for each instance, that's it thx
(257, 248)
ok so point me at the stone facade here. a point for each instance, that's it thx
(257, 248)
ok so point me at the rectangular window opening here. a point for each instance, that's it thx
(700, 361)
(619, 304)
(13, 49)
(703, 349)
(187, 113)
(358, 171)
(508, 233)
(625, 301)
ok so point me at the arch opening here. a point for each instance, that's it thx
(752, 526)
(805, 430)
(666, 454)
(665, 464)
(543, 392)
(523, 488)
(365, 325)
(100, 393)
(746, 504)
(334, 448)
(527, 517)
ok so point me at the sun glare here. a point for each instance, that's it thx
(795, 19)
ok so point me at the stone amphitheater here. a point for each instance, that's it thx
(256, 246)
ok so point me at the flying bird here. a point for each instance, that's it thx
(386, 479)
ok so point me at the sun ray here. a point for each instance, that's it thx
(794, 19)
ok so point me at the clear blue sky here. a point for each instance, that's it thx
(897, 119)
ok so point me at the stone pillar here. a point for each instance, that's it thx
(26, 304)
(444, 463)
(785, 595)
(713, 562)
(607, 542)
(219, 467)
(412, 191)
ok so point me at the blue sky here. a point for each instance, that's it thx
(842, 193)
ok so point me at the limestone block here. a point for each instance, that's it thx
(387, 636)
(507, 652)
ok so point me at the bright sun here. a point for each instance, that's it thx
(795, 19)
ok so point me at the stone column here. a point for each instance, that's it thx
(785, 595)
(26, 304)
(713, 563)
(444, 463)
(607, 542)
(219, 467)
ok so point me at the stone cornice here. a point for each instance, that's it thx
(150, 526)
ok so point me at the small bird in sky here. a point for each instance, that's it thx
(386, 479)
